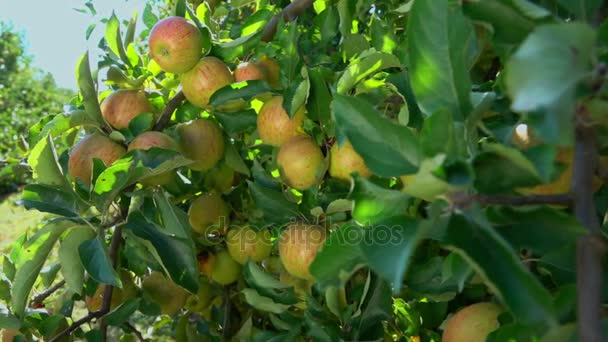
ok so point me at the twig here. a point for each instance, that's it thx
(75, 325)
(165, 116)
(38, 299)
(591, 247)
(134, 330)
(289, 13)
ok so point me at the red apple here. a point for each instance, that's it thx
(344, 160)
(202, 141)
(301, 163)
(274, 125)
(204, 79)
(80, 164)
(271, 70)
(298, 247)
(175, 44)
(473, 323)
(120, 107)
(248, 71)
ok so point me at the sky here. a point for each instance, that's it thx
(55, 33)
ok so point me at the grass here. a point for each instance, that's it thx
(16, 220)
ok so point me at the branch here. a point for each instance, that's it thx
(591, 247)
(165, 116)
(38, 299)
(289, 13)
(134, 330)
(107, 294)
(226, 323)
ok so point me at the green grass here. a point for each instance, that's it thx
(16, 220)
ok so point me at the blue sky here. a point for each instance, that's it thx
(55, 32)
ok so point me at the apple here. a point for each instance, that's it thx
(344, 160)
(80, 164)
(220, 267)
(169, 296)
(301, 163)
(120, 107)
(175, 44)
(298, 247)
(209, 214)
(245, 242)
(473, 323)
(271, 69)
(220, 178)
(274, 125)
(204, 79)
(146, 141)
(202, 299)
(8, 335)
(249, 71)
(202, 141)
(119, 295)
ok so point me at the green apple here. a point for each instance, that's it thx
(244, 243)
(175, 44)
(298, 247)
(80, 164)
(209, 214)
(169, 296)
(120, 107)
(274, 125)
(220, 267)
(301, 163)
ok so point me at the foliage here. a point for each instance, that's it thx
(459, 110)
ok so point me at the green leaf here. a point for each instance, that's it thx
(180, 8)
(267, 285)
(86, 86)
(43, 160)
(499, 264)
(319, 99)
(234, 159)
(509, 25)
(29, 260)
(149, 18)
(296, 95)
(584, 10)
(438, 40)
(8, 320)
(231, 50)
(52, 199)
(239, 121)
(177, 255)
(340, 255)
(71, 266)
(141, 123)
(373, 203)
(253, 298)
(238, 91)
(394, 239)
(175, 220)
(367, 64)
(274, 204)
(388, 149)
(548, 65)
(437, 135)
(376, 310)
(123, 312)
(96, 261)
(114, 39)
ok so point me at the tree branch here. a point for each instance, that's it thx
(165, 116)
(38, 299)
(288, 13)
(134, 330)
(591, 247)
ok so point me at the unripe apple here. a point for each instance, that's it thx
(271, 69)
(248, 71)
(274, 125)
(473, 323)
(175, 44)
(120, 107)
(344, 160)
(220, 178)
(301, 163)
(202, 141)
(200, 301)
(119, 295)
(146, 141)
(208, 214)
(204, 79)
(244, 243)
(80, 164)
(298, 247)
(168, 295)
(221, 268)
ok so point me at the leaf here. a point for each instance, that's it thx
(275, 206)
(43, 160)
(86, 86)
(319, 99)
(388, 149)
(438, 39)
(340, 255)
(267, 285)
(232, 49)
(394, 239)
(96, 261)
(498, 263)
(123, 312)
(175, 220)
(239, 91)
(29, 260)
(234, 160)
(584, 10)
(114, 39)
(8, 320)
(52, 200)
(253, 298)
(296, 95)
(71, 266)
(239, 121)
(376, 310)
(367, 64)
(177, 255)
(373, 203)
(149, 18)
(548, 65)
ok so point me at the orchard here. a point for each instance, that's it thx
(324, 170)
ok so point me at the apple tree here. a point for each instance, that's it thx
(324, 170)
